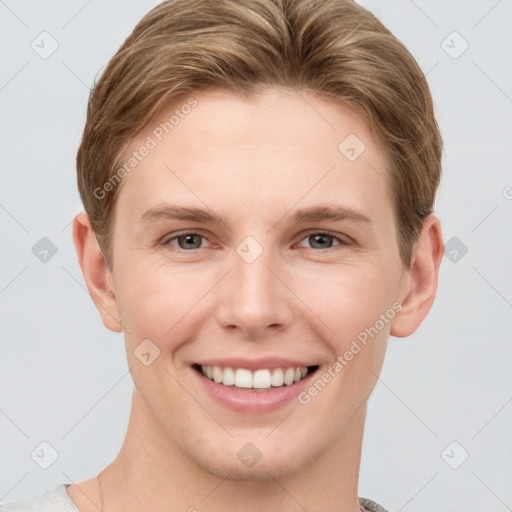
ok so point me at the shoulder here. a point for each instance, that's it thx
(369, 506)
(51, 500)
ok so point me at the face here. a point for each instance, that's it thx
(248, 238)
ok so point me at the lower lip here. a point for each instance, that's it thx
(252, 401)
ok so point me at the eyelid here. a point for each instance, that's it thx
(341, 238)
(165, 240)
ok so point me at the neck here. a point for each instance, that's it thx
(158, 473)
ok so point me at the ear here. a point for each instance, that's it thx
(97, 276)
(420, 280)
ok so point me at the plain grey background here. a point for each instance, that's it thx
(439, 421)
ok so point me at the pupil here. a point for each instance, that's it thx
(321, 240)
(189, 240)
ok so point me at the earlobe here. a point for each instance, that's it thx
(98, 277)
(421, 279)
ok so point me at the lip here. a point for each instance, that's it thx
(256, 364)
(251, 402)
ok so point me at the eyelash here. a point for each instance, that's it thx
(342, 241)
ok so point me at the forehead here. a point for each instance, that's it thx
(276, 117)
(278, 147)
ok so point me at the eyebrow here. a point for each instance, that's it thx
(311, 214)
(319, 213)
(181, 213)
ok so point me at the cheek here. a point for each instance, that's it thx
(346, 299)
(156, 301)
(159, 301)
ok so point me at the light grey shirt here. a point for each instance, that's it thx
(51, 500)
(58, 500)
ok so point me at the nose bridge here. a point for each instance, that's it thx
(255, 288)
(253, 298)
(254, 280)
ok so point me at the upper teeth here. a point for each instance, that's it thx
(243, 378)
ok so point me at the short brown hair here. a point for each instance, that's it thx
(334, 48)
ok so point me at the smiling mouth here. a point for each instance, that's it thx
(243, 379)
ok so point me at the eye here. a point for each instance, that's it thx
(190, 241)
(324, 240)
(186, 241)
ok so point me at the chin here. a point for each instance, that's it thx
(272, 465)
(260, 472)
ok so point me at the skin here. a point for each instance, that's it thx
(255, 162)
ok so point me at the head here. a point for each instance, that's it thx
(258, 179)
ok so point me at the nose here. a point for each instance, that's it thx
(254, 298)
